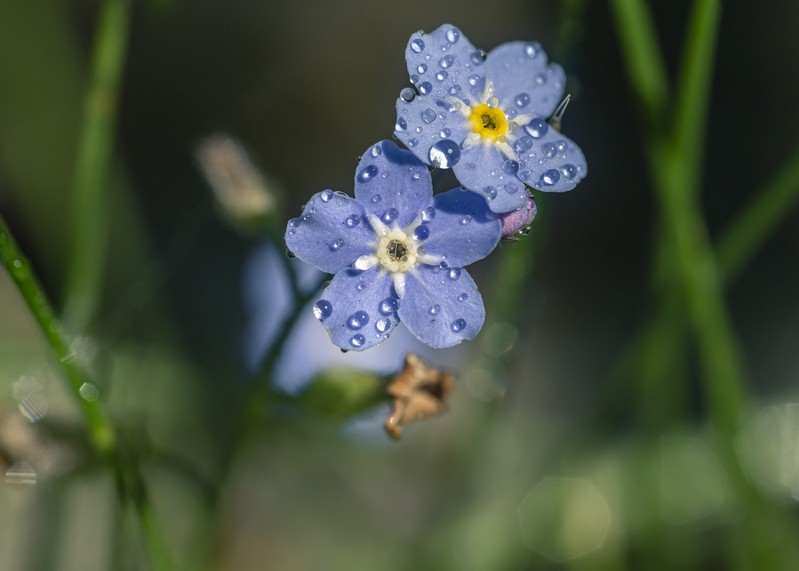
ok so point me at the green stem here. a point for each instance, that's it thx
(88, 216)
(100, 430)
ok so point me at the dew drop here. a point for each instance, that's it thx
(510, 166)
(326, 195)
(416, 176)
(446, 61)
(473, 79)
(425, 88)
(442, 75)
(522, 99)
(421, 232)
(540, 79)
(428, 115)
(401, 124)
(532, 49)
(361, 286)
(455, 89)
(550, 149)
(454, 273)
(352, 221)
(537, 128)
(465, 220)
(550, 177)
(444, 133)
(477, 57)
(434, 309)
(445, 154)
(407, 94)
(336, 244)
(463, 297)
(357, 320)
(453, 35)
(421, 68)
(412, 142)
(493, 102)
(382, 324)
(322, 309)
(569, 171)
(390, 215)
(428, 214)
(357, 340)
(490, 192)
(389, 305)
(376, 198)
(458, 325)
(523, 145)
(417, 45)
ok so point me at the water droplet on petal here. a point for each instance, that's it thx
(322, 309)
(490, 192)
(428, 115)
(412, 142)
(458, 325)
(417, 45)
(407, 94)
(452, 35)
(493, 102)
(537, 127)
(550, 177)
(532, 49)
(389, 305)
(357, 340)
(352, 221)
(477, 57)
(428, 214)
(390, 215)
(510, 166)
(361, 286)
(473, 79)
(376, 198)
(336, 244)
(445, 154)
(425, 88)
(522, 99)
(463, 297)
(434, 309)
(523, 145)
(421, 68)
(326, 195)
(442, 75)
(367, 173)
(454, 273)
(540, 79)
(444, 133)
(455, 89)
(357, 320)
(382, 324)
(446, 61)
(401, 124)
(550, 149)
(422, 232)
(569, 170)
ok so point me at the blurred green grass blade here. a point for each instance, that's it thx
(645, 68)
(769, 205)
(693, 91)
(89, 217)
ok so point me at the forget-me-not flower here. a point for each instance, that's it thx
(397, 253)
(485, 116)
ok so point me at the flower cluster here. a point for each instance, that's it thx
(396, 249)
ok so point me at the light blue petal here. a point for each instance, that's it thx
(462, 229)
(552, 163)
(331, 233)
(441, 62)
(392, 184)
(441, 307)
(423, 125)
(522, 80)
(486, 171)
(358, 309)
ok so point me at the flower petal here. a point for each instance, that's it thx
(441, 307)
(483, 169)
(463, 229)
(331, 233)
(441, 62)
(358, 309)
(392, 184)
(425, 122)
(552, 163)
(522, 79)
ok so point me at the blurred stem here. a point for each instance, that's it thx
(88, 191)
(100, 430)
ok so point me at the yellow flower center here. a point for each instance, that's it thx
(396, 251)
(489, 122)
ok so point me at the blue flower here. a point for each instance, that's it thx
(397, 253)
(485, 116)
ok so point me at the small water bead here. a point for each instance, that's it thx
(532, 49)
(522, 99)
(352, 221)
(510, 114)
(510, 166)
(473, 79)
(407, 94)
(458, 325)
(455, 89)
(389, 305)
(454, 273)
(511, 188)
(421, 232)
(490, 192)
(493, 102)
(401, 124)
(434, 309)
(443, 265)
(336, 244)
(568, 170)
(326, 195)
(357, 320)
(376, 198)
(425, 88)
(416, 176)
(446, 61)
(428, 115)
(540, 79)
(419, 129)
(562, 145)
(537, 128)
(414, 79)
(357, 340)
(442, 75)
(361, 286)
(550, 177)
(463, 297)
(444, 133)
(523, 145)
(390, 215)
(382, 324)
(422, 68)
(322, 309)
(428, 214)
(445, 154)
(550, 149)
(453, 35)
(524, 175)
(477, 57)
(412, 142)
(465, 220)
(417, 45)
(375, 151)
